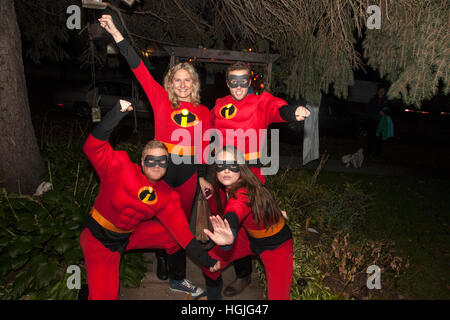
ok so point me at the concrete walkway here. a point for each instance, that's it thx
(154, 289)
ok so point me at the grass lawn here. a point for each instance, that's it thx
(415, 214)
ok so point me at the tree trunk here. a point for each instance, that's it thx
(21, 164)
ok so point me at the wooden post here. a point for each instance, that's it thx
(172, 61)
(269, 76)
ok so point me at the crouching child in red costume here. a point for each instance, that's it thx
(252, 224)
(134, 209)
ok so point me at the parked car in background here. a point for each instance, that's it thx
(73, 97)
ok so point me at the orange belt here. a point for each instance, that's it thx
(267, 233)
(180, 150)
(106, 223)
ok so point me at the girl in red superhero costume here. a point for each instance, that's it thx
(252, 223)
(177, 109)
(134, 209)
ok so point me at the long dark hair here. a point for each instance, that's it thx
(261, 202)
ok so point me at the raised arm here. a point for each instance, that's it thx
(223, 234)
(106, 161)
(155, 92)
(224, 231)
(278, 110)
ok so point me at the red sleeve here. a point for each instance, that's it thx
(271, 106)
(156, 94)
(238, 206)
(107, 162)
(212, 202)
(173, 218)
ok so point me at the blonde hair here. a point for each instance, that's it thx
(195, 95)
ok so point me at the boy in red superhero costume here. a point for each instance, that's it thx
(134, 209)
(243, 111)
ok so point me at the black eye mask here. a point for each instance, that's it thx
(232, 166)
(239, 81)
(153, 161)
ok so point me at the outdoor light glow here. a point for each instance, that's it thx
(129, 2)
(417, 111)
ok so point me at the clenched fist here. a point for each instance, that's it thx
(107, 23)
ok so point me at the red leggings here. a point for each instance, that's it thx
(102, 265)
(277, 263)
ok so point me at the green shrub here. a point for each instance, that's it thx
(39, 237)
(324, 208)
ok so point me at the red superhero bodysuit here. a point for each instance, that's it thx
(274, 246)
(194, 120)
(130, 212)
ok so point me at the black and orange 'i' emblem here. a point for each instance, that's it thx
(148, 195)
(228, 111)
(184, 118)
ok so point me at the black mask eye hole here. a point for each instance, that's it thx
(152, 161)
(221, 166)
(235, 81)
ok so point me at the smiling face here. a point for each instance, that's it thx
(226, 177)
(153, 173)
(238, 82)
(182, 85)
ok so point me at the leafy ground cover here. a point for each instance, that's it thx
(400, 224)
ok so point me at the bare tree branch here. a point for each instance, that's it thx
(117, 10)
(145, 13)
